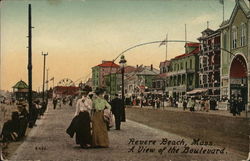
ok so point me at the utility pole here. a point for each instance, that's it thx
(47, 84)
(47, 79)
(30, 58)
(44, 63)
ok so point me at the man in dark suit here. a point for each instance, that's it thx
(116, 108)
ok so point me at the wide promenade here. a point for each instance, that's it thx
(49, 142)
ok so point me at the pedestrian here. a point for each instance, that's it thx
(233, 106)
(203, 104)
(206, 105)
(71, 101)
(192, 104)
(153, 103)
(134, 102)
(158, 102)
(99, 128)
(33, 114)
(54, 102)
(189, 104)
(116, 108)
(180, 103)
(212, 104)
(106, 97)
(10, 130)
(184, 104)
(197, 105)
(64, 100)
(59, 102)
(83, 131)
(23, 117)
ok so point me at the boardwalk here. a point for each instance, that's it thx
(49, 142)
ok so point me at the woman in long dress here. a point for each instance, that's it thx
(99, 128)
(83, 131)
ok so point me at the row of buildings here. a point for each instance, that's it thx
(216, 66)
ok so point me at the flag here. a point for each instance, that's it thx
(221, 2)
(162, 43)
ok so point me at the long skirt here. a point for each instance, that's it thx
(83, 134)
(100, 132)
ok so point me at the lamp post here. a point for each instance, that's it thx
(122, 62)
(30, 94)
(44, 63)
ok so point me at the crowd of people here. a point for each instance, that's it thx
(58, 101)
(93, 117)
(236, 104)
(14, 129)
(94, 114)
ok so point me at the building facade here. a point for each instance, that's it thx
(159, 81)
(113, 81)
(140, 80)
(209, 62)
(99, 72)
(183, 74)
(235, 54)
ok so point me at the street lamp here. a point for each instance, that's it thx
(122, 63)
(44, 64)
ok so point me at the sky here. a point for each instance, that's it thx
(79, 34)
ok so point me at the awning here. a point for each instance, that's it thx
(197, 90)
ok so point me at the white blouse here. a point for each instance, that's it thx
(83, 104)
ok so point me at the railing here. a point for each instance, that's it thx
(183, 71)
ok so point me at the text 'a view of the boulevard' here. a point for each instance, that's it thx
(124, 80)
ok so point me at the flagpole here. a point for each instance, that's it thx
(167, 46)
(185, 32)
(223, 10)
(185, 38)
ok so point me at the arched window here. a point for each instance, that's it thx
(234, 37)
(243, 34)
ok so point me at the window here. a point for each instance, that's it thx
(243, 35)
(234, 37)
(191, 64)
(164, 70)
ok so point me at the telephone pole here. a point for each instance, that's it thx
(47, 79)
(47, 85)
(44, 63)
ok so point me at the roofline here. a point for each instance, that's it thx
(237, 4)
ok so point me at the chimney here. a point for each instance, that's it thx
(151, 67)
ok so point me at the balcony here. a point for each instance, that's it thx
(179, 72)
